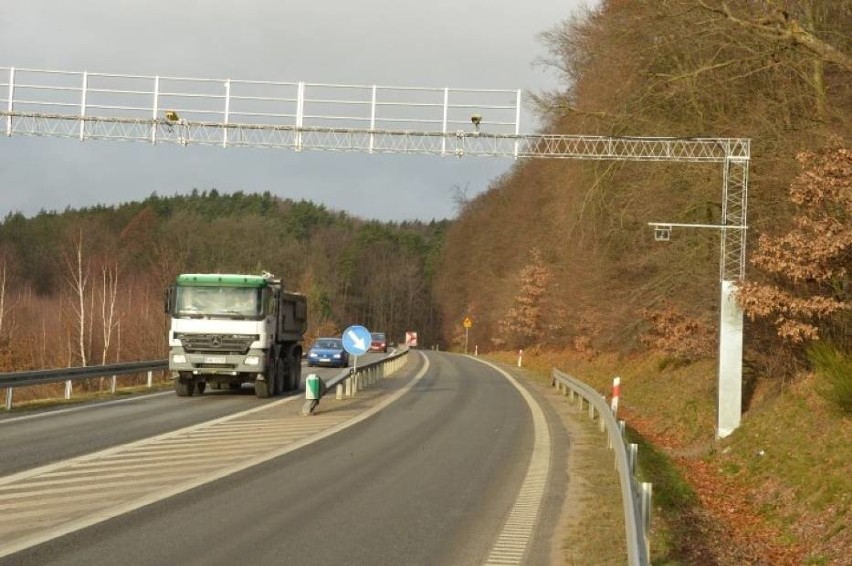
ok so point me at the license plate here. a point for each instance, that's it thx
(214, 360)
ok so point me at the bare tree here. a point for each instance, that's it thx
(461, 198)
(109, 316)
(781, 24)
(78, 280)
(2, 297)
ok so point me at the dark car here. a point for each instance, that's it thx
(378, 343)
(328, 352)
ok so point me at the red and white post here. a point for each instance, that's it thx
(616, 393)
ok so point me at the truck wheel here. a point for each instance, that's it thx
(184, 387)
(294, 379)
(200, 386)
(280, 376)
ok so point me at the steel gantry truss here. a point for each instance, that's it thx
(303, 116)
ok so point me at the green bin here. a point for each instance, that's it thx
(313, 387)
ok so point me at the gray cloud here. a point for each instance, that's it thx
(440, 43)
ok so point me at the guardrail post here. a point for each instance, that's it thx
(9, 398)
(621, 426)
(68, 389)
(646, 490)
(591, 410)
(632, 453)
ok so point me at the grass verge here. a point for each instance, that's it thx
(777, 491)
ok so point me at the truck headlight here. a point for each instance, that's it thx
(252, 360)
(179, 359)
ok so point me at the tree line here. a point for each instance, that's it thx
(556, 254)
(86, 286)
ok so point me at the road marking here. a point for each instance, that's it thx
(50, 501)
(50, 413)
(511, 544)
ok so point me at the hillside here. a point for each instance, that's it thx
(86, 286)
(559, 260)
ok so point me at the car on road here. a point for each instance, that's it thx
(379, 342)
(328, 352)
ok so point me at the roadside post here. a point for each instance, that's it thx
(314, 389)
(616, 393)
(467, 324)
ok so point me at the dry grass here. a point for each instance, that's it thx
(591, 521)
(777, 491)
(594, 526)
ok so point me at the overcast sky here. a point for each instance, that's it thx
(428, 43)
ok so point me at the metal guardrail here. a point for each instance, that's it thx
(348, 382)
(635, 495)
(11, 380)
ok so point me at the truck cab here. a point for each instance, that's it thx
(230, 329)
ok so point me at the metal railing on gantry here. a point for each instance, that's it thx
(373, 119)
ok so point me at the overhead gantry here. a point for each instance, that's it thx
(301, 116)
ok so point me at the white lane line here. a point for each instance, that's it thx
(511, 544)
(220, 470)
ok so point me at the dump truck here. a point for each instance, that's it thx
(230, 329)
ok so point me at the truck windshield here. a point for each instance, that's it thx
(219, 302)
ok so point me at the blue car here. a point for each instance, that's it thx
(328, 352)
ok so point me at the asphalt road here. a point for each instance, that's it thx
(41, 437)
(428, 480)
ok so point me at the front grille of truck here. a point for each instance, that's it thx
(224, 343)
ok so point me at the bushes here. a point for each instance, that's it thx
(834, 369)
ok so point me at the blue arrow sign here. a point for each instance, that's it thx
(356, 340)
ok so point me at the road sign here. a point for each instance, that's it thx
(356, 340)
(411, 339)
(467, 322)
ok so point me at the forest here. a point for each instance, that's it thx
(570, 261)
(557, 258)
(557, 253)
(87, 286)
